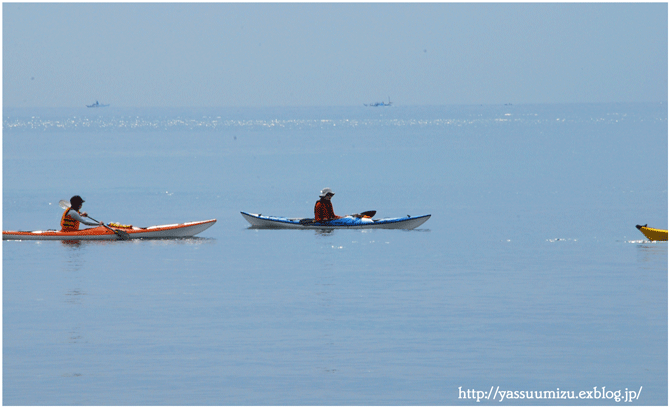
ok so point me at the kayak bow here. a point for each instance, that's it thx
(653, 234)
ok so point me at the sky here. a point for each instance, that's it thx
(336, 54)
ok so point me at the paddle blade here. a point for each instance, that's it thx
(121, 234)
(64, 204)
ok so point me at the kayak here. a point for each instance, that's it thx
(187, 229)
(349, 222)
(653, 234)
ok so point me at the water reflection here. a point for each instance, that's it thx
(73, 256)
(77, 244)
(652, 251)
(74, 277)
(74, 296)
(75, 335)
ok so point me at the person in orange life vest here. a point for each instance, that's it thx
(72, 217)
(323, 209)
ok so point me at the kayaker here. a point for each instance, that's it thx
(323, 209)
(72, 216)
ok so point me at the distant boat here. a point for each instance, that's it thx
(379, 103)
(97, 105)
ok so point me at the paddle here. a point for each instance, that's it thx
(121, 234)
(370, 214)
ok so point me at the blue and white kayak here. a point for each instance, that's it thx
(348, 222)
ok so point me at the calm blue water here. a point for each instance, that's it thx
(530, 275)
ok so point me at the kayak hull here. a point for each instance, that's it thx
(187, 229)
(271, 222)
(653, 234)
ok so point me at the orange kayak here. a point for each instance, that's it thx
(187, 229)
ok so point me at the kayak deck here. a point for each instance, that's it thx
(187, 229)
(271, 222)
(653, 234)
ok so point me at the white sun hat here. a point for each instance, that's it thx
(325, 192)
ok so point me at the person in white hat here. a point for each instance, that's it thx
(323, 209)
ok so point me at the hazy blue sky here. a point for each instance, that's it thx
(139, 55)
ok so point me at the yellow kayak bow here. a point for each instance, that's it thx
(653, 234)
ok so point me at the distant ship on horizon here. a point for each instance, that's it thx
(97, 105)
(379, 103)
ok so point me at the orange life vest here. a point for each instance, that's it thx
(323, 210)
(68, 223)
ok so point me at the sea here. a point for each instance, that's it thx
(529, 284)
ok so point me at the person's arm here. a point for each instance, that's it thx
(81, 219)
(331, 214)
